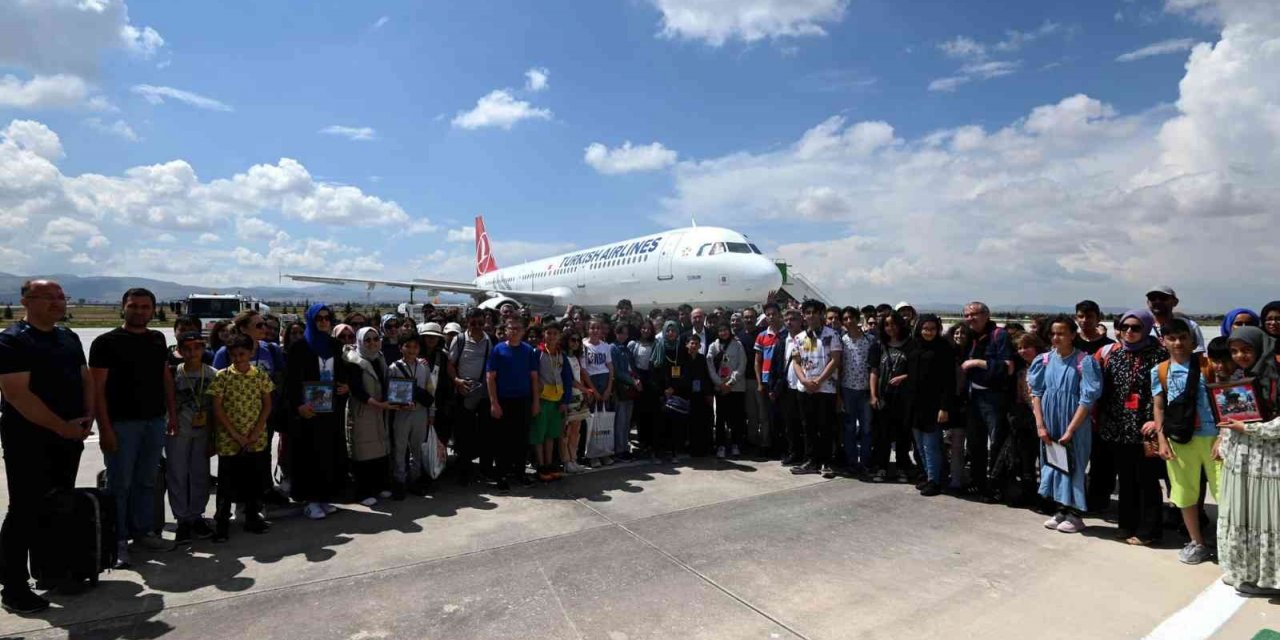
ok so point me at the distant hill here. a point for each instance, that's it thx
(1014, 309)
(108, 289)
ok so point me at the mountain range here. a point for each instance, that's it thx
(98, 289)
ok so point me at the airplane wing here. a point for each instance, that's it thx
(523, 297)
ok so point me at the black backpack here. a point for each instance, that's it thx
(1180, 414)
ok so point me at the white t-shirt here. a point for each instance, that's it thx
(813, 354)
(597, 357)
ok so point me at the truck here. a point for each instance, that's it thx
(212, 307)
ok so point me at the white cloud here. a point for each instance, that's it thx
(1163, 47)
(167, 196)
(718, 21)
(461, 234)
(380, 23)
(119, 128)
(43, 92)
(157, 95)
(963, 47)
(350, 133)
(1015, 39)
(628, 159)
(536, 78)
(1073, 200)
(208, 238)
(250, 228)
(977, 64)
(144, 42)
(498, 109)
(69, 36)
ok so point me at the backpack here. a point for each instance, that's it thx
(1180, 415)
(1080, 356)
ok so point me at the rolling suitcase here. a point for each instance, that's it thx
(78, 536)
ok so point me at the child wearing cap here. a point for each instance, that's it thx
(187, 446)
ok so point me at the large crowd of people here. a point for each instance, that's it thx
(1058, 416)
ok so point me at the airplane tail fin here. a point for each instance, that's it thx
(484, 252)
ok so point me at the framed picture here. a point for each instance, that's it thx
(1235, 401)
(399, 391)
(319, 395)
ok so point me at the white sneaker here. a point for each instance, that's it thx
(314, 511)
(595, 463)
(1052, 523)
(328, 508)
(1072, 524)
(369, 502)
(720, 452)
(384, 494)
(735, 451)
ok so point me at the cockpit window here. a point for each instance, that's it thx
(756, 250)
(717, 248)
(739, 247)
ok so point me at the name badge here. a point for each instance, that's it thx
(199, 419)
(675, 371)
(697, 386)
(1131, 403)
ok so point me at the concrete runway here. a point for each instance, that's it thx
(699, 549)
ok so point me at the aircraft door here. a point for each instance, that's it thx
(667, 255)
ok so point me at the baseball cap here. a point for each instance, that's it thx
(1164, 289)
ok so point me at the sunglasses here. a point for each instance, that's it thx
(1131, 328)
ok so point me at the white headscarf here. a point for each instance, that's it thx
(367, 352)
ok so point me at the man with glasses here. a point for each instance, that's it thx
(987, 370)
(46, 415)
(135, 406)
(1161, 301)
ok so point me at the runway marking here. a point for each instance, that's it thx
(1203, 617)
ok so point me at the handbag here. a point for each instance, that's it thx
(600, 434)
(676, 405)
(434, 454)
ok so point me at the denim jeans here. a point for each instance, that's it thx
(187, 475)
(929, 444)
(857, 427)
(131, 474)
(985, 431)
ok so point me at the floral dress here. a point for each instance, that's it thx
(1249, 509)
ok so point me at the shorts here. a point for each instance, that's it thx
(1184, 470)
(548, 424)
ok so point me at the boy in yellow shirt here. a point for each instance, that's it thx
(241, 403)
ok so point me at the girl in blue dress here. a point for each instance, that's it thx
(1065, 383)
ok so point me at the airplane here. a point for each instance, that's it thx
(705, 266)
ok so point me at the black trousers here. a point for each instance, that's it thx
(818, 411)
(36, 462)
(793, 421)
(1141, 501)
(889, 430)
(240, 480)
(731, 418)
(1101, 482)
(511, 435)
(471, 431)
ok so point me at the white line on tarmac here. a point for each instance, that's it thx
(1204, 616)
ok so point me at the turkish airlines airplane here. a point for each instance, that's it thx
(706, 266)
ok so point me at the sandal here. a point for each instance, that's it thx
(1138, 542)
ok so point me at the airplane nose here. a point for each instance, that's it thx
(766, 275)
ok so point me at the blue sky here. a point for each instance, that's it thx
(717, 98)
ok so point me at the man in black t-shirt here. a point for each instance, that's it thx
(133, 396)
(46, 415)
(1093, 335)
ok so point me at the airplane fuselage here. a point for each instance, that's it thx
(702, 266)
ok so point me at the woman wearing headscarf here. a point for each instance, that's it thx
(1127, 425)
(436, 357)
(317, 440)
(1238, 318)
(929, 391)
(370, 442)
(1270, 322)
(1249, 505)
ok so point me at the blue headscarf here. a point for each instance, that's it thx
(1230, 319)
(319, 341)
